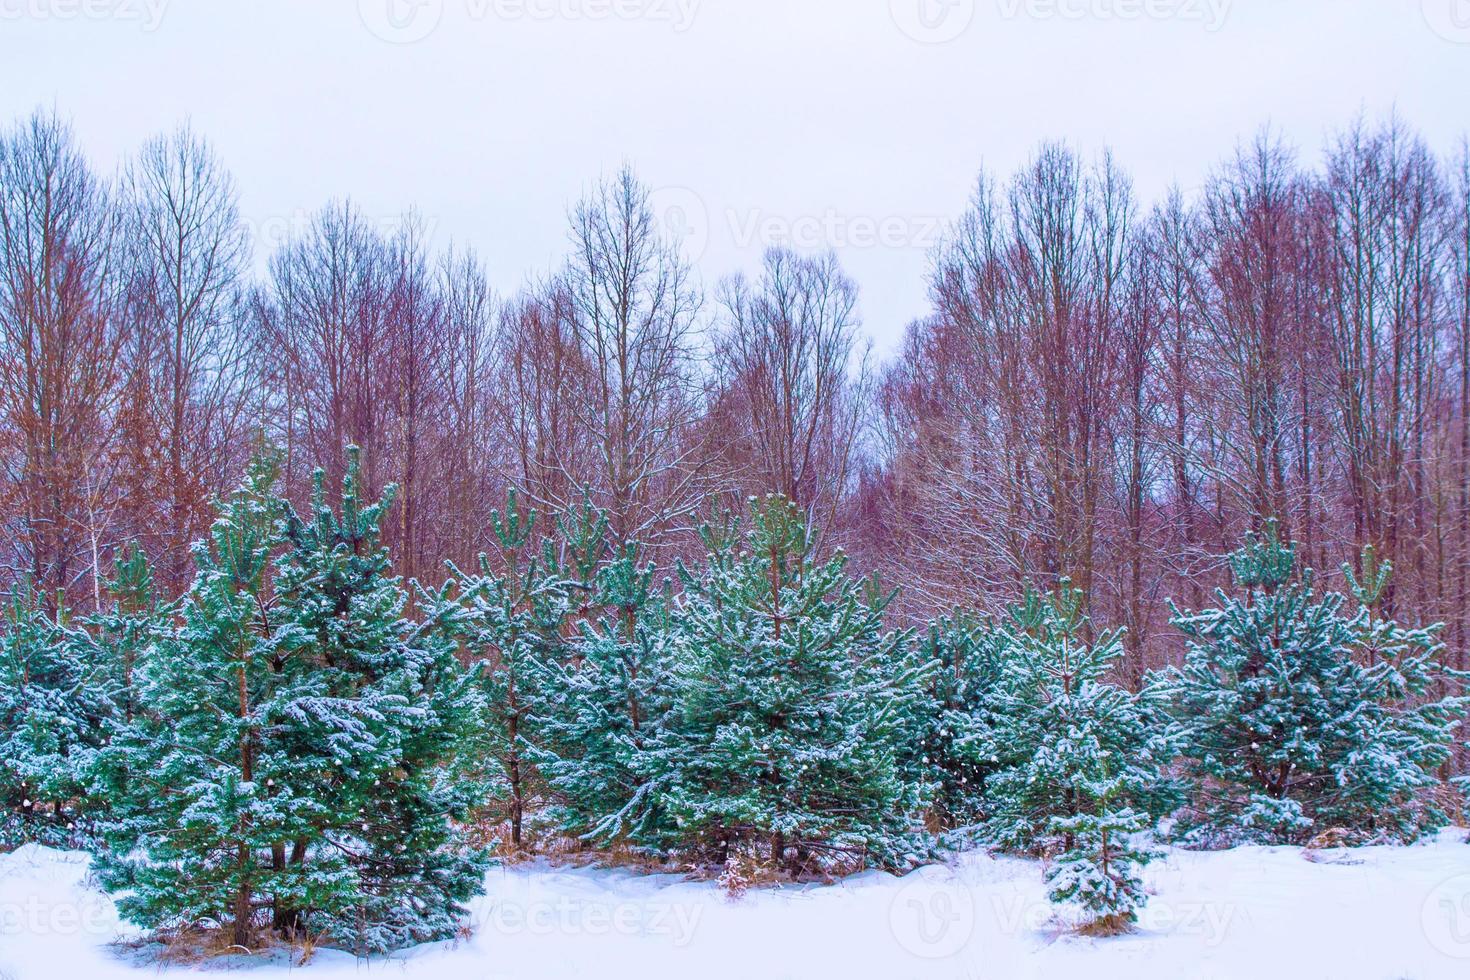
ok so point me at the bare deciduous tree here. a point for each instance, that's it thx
(60, 341)
(190, 377)
(792, 382)
(630, 304)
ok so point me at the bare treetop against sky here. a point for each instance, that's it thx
(855, 124)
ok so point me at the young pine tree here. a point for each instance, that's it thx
(126, 629)
(605, 702)
(54, 707)
(511, 625)
(968, 658)
(1079, 767)
(193, 847)
(1099, 872)
(298, 732)
(382, 701)
(790, 706)
(119, 639)
(1065, 743)
(1419, 707)
(1295, 718)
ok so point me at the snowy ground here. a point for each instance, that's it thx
(1253, 912)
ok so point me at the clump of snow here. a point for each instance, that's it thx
(1250, 912)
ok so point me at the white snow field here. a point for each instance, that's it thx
(1253, 912)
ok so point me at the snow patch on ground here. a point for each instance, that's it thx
(1251, 912)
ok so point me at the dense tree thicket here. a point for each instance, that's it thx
(278, 729)
(306, 745)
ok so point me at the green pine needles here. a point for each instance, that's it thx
(1079, 764)
(1065, 742)
(1295, 716)
(790, 705)
(296, 733)
(54, 716)
(304, 746)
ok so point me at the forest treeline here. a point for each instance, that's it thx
(1104, 390)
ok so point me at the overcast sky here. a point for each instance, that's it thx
(859, 124)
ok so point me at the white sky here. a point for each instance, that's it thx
(856, 123)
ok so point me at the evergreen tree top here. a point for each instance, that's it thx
(583, 541)
(770, 559)
(1265, 561)
(1369, 588)
(1045, 635)
(359, 522)
(131, 584)
(1050, 615)
(512, 528)
(624, 583)
(248, 524)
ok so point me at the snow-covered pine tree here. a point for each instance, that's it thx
(1078, 766)
(1419, 711)
(968, 654)
(1066, 744)
(53, 708)
(300, 731)
(1099, 872)
(197, 845)
(604, 703)
(127, 627)
(1295, 718)
(382, 704)
(789, 699)
(511, 625)
(118, 639)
